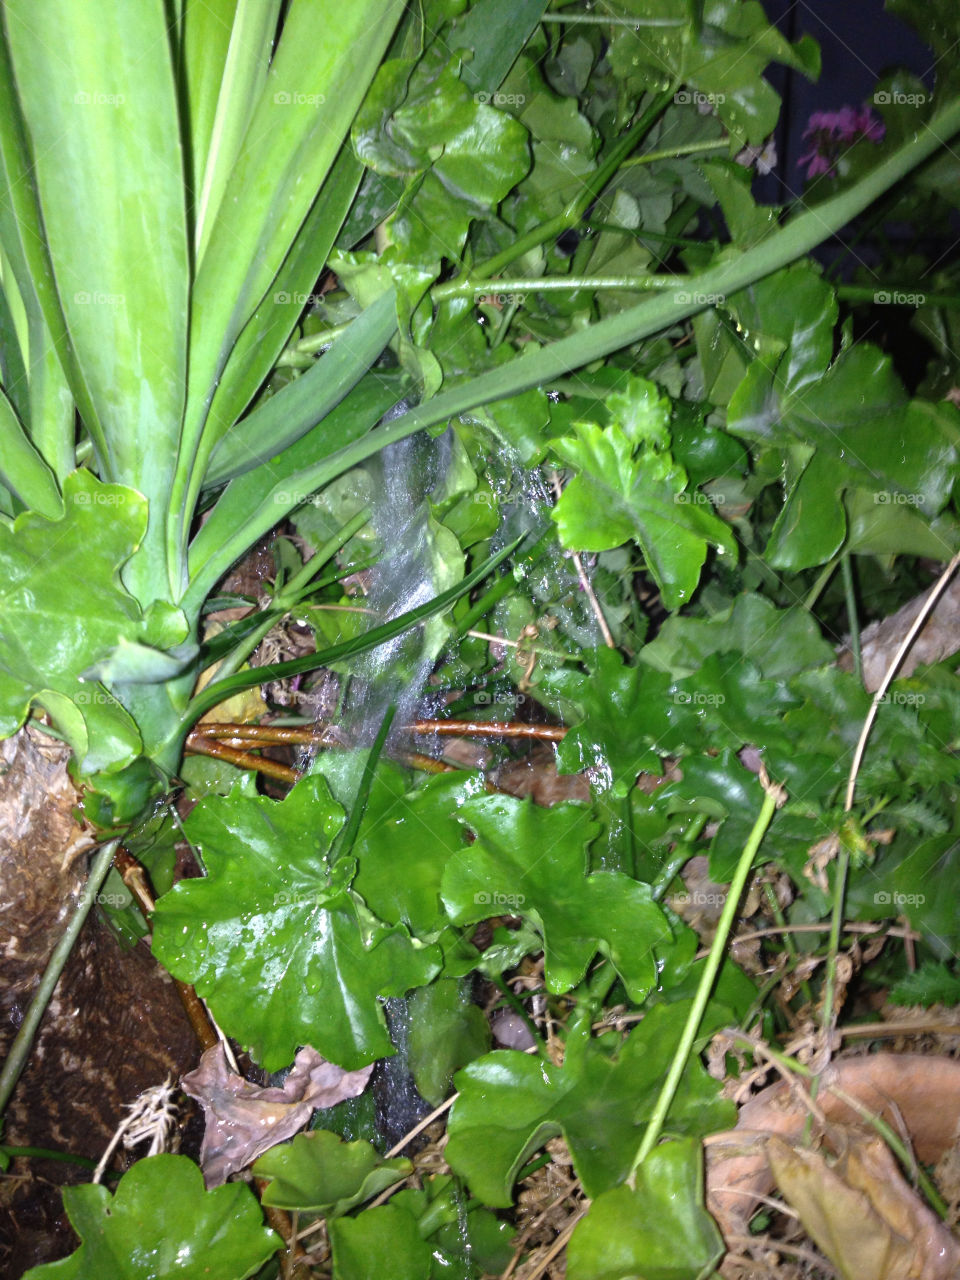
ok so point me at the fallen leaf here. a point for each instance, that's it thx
(243, 1120)
(862, 1214)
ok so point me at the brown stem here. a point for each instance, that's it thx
(489, 729)
(135, 877)
(199, 744)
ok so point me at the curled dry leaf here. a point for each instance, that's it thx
(244, 1119)
(861, 1213)
(917, 1095)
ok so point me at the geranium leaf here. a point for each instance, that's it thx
(161, 1222)
(275, 940)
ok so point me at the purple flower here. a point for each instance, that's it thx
(831, 132)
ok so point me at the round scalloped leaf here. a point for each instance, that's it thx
(161, 1222)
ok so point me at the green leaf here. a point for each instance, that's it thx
(510, 1104)
(53, 632)
(22, 469)
(380, 1242)
(273, 938)
(447, 1030)
(406, 838)
(779, 641)
(421, 117)
(660, 1230)
(629, 716)
(720, 50)
(532, 862)
(320, 1173)
(162, 1222)
(109, 175)
(931, 984)
(629, 486)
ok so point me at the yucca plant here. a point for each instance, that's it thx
(174, 179)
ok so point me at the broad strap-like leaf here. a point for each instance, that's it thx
(100, 106)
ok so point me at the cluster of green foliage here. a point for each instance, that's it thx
(513, 204)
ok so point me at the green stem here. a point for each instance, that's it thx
(705, 986)
(593, 185)
(556, 284)
(822, 579)
(682, 854)
(788, 943)
(896, 295)
(853, 622)
(669, 153)
(836, 924)
(20, 1049)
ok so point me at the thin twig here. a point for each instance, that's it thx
(891, 671)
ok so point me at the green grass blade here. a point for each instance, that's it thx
(22, 469)
(293, 411)
(327, 55)
(25, 249)
(267, 332)
(216, 692)
(240, 84)
(203, 44)
(258, 499)
(98, 98)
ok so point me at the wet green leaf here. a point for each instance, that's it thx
(510, 1104)
(161, 1222)
(273, 938)
(532, 862)
(320, 1173)
(659, 1230)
